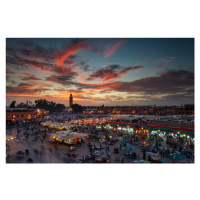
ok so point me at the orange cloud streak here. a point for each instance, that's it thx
(73, 49)
(113, 86)
(112, 49)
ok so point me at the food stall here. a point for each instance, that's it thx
(58, 126)
(67, 137)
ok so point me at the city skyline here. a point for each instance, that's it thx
(118, 71)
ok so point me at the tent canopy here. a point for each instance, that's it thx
(152, 127)
(67, 135)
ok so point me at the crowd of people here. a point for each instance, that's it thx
(34, 138)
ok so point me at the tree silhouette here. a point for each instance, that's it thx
(49, 105)
(12, 105)
(77, 108)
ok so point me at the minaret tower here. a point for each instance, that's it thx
(70, 100)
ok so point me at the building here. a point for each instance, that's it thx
(187, 109)
(70, 100)
(18, 115)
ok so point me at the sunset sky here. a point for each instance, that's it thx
(118, 71)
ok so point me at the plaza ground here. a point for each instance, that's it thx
(48, 152)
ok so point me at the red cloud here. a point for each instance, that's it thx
(110, 49)
(22, 74)
(112, 86)
(73, 49)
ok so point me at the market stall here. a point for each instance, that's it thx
(58, 126)
(67, 137)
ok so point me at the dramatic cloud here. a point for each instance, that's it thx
(23, 88)
(54, 68)
(73, 49)
(31, 77)
(62, 79)
(111, 86)
(16, 73)
(41, 59)
(67, 80)
(111, 72)
(86, 68)
(112, 48)
(167, 82)
(48, 60)
(47, 55)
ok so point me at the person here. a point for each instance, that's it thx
(29, 160)
(93, 158)
(122, 160)
(117, 151)
(184, 152)
(100, 146)
(50, 150)
(26, 151)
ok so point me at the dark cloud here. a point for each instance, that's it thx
(167, 82)
(127, 69)
(38, 59)
(86, 68)
(111, 72)
(67, 80)
(47, 55)
(31, 78)
(64, 79)
(48, 59)
(83, 62)
(24, 88)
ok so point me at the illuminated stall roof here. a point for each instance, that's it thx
(152, 127)
(65, 135)
(57, 124)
